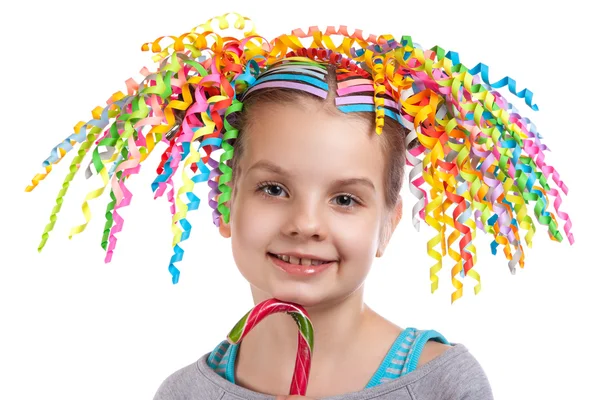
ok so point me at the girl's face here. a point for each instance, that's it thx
(305, 207)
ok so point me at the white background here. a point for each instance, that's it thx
(73, 327)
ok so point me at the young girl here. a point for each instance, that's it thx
(290, 212)
(315, 141)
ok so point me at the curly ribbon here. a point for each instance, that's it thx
(305, 336)
(477, 164)
(121, 193)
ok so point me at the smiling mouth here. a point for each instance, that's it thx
(299, 269)
(287, 259)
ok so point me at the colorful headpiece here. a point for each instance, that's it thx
(355, 89)
(483, 162)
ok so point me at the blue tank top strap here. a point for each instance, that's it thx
(392, 365)
(422, 337)
(230, 370)
(222, 360)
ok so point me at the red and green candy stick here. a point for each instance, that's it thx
(305, 336)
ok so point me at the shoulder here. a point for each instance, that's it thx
(432, 350)
(185, 383)
(454, 375)
(174, 384)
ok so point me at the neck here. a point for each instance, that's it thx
(338, 327)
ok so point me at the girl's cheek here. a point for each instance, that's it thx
(255, 216)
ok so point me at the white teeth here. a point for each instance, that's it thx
(299, 261)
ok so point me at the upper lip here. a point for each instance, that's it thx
(301, 255)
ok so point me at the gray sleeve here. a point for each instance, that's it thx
(462, 378)
(187, 384)
(171, 388)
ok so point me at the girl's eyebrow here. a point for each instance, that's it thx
(271, 167)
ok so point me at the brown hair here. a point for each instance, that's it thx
(393, 135)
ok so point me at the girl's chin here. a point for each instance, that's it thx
(306, 295)
(305, 299)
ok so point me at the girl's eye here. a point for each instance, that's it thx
(347, 198)
(271, 189)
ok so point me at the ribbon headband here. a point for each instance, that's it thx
(355, 92)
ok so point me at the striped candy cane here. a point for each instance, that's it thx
(305, 336)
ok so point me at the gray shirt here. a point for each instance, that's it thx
(454, 375)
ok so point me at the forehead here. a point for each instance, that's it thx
(312, 143)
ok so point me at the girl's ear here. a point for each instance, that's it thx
(390, 227)
(224, 229)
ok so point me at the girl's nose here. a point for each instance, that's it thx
(306, 221)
